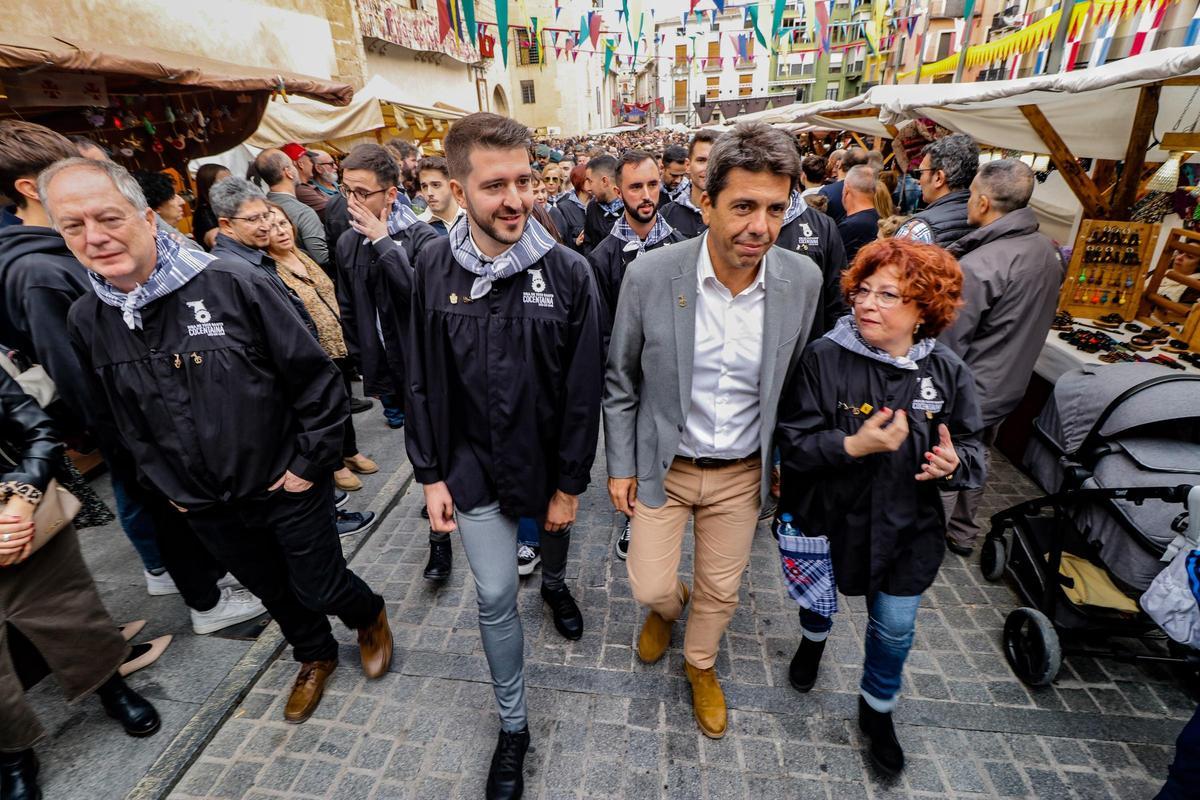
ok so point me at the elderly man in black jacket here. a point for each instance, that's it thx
(229, 406)
(503, 397)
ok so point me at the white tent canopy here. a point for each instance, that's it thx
(1092, 110)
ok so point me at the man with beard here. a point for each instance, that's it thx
(639, 229)
(503, 397)
(704, 335)
(605, 208)
(674, 170)
(683, 213)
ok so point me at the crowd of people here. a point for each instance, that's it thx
(765, 332)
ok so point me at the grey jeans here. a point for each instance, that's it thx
(490, 539)
(962, 508)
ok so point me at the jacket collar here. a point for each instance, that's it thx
(1015, 223)
(959, 196)
(227, 245)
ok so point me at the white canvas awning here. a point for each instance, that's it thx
(1092, 110)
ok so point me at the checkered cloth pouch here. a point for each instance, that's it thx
(808, 572)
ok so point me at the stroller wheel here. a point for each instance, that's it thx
(1031, 646)
(993, 558)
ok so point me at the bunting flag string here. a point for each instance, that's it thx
(468, 18)
(502, 28)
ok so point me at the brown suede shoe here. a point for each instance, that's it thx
(307, 690)
(346, 480)
(375, 646)
(656, 633)
(360, 464)
(708, 701)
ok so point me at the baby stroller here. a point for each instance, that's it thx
(1117, 450)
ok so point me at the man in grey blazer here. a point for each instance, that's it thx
(705, 334)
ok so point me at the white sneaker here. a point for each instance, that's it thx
(229, 582)
(234, 606)
(159, 585)
(527, 558)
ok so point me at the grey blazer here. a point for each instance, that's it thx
(648, 380)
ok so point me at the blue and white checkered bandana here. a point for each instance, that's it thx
(400, 219)
(615, 207)
(797, 205)
(808, 572)
(533, 245)
(625, 232)
(175, 266)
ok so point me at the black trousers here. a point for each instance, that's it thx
(284, 548)
(349, 439)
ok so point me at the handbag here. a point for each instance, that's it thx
(54, 512)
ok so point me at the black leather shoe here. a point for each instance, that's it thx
(506, 779)
(440, 561)
(802, 672)
(959, 549)
(126, 706)
(18, 776)
(359, 405)
(567, 619)
(885, 750)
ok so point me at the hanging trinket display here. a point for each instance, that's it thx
(1108, 269)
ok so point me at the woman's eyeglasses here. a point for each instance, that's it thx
(883, 298)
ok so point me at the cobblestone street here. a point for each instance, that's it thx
(605, 725)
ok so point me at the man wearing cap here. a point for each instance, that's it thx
(305, 192)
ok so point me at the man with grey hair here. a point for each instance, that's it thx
(947, 168)
(229, 406)
(282, 176)
(1011, 278)
(705, 332)
(861, 223)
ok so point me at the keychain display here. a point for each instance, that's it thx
(1107, 270)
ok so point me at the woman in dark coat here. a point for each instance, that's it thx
(50, 598)
(878, 418)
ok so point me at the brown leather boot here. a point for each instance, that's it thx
(360, 464)
(307, 690)
(375, 646)
(708, 701)
(656, 633)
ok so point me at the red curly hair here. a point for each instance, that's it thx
(929, 276)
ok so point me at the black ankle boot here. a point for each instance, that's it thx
(885, 750)
(567, 618)
(805, 664)
(126, 706)
(506, 778)
(440, 561)
(18, 776)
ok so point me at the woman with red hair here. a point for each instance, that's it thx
(877, 418)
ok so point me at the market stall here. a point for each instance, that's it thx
(152, 108)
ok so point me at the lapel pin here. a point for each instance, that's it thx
(453, 299)
(682, 301)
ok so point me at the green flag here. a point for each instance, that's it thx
(752, 10)
(468, 9)
(502, 28)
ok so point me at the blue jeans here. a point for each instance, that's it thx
(135, 517)
(890, 631)
(528, 533)
(1183, 776)
(393, 409)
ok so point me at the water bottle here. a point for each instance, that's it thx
(785, 526)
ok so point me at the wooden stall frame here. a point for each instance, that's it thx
(1154, 308)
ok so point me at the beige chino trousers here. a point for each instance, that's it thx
(724, 502)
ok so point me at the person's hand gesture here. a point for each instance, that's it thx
(883, 432)
(364, 222)
(942, 460)
(441, 507)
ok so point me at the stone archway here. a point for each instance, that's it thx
(499, 102)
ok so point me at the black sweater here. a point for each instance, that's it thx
(503, 393)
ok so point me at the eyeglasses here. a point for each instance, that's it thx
(257, 219)
(361, 194)
(883, 298)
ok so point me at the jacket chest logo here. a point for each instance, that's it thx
(204, 326)
(807, 240)
(537, 294)
(929, 400)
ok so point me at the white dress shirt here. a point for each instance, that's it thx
(723, 420)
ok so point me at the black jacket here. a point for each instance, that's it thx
(503, 393)
(815, 235)
(29, 449)
(687, 222)
(214, 403)
(574, 217)
(609, 261)
(39, 280)
(597, 223)
(947, 217)
(337, 222)
(886, 529)
(372, 338)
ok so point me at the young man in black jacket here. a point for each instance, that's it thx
(811, 233)
(503, 396)
(683, 213)
(229, 406)
(605, 208)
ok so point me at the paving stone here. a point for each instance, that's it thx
(1006, 778)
